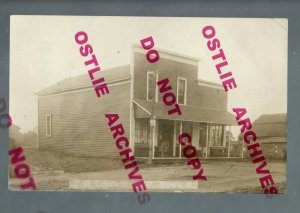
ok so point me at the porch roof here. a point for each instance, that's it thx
(188, 113)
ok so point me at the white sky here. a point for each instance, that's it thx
(43, 51)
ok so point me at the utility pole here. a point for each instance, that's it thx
(152, 120)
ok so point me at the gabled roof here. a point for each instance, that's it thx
(83, 81)
(272, 118)
(188, 113)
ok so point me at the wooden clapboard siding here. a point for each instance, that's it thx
(197, 95)
(208, 97)
(79, 125)
(264, 130)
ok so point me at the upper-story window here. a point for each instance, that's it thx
(151, 86)
(181, 90)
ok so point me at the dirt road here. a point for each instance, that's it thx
(221, 177)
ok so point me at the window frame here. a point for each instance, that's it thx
(147, 89)
(50, 129)
(185, 90)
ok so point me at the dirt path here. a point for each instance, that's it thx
(221, 176)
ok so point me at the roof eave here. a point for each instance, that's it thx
(40, 93)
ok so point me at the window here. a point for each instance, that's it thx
(48, 125)
(141, 131)
(150, 86)
(181, 90)
(202, 134)
(217, 135)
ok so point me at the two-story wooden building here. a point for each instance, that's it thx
(71, 117)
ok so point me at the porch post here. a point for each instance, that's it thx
(151, 141)
(174, 139)
(152, 122)
(229, 143)
(242, 149)
(180, 134)
(206, 153)
(153, 137)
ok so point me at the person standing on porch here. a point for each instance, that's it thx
(164, 148)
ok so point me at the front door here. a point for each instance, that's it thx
(165, 139)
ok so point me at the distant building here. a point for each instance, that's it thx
(15, 136)
(271, 132)
(26, 140)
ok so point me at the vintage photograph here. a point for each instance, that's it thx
(82, 89)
